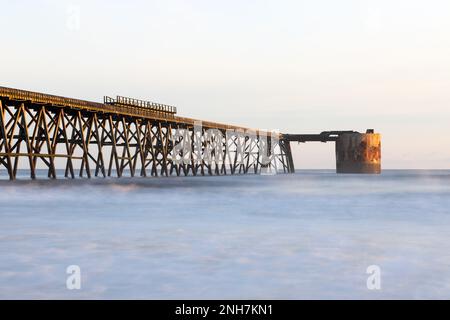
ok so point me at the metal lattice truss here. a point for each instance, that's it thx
(87, 144)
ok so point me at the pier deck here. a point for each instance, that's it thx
(125, 135)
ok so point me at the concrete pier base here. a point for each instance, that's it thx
(358, 153)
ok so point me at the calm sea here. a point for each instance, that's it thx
(308, 235)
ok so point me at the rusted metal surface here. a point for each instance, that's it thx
(121, 109)
(355, 152)
(106, 139)
(136, 135)
(358, 153)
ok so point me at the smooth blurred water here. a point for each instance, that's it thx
(308, 235)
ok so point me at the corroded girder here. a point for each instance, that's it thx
(37, 98)
(88, 139)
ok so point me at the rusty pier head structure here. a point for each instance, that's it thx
(66, 137)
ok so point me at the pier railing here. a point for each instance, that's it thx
(135, 103)
(157, 112)
(125, 134)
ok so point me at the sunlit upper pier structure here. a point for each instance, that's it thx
(126, 136)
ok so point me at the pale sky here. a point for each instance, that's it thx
(296, 66)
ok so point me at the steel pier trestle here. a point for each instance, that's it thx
(126, 137)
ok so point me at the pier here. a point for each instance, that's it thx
(129, 137)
